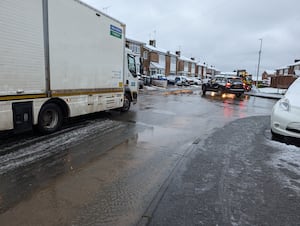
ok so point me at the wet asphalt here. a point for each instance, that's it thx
(232, 179)
(176, 158)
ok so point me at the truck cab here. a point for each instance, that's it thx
(130, 79)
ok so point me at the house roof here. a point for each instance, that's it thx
(202, 65)
(213, 68)
(156, 65)
(135, 41)
(229, 73)
(270, 72)
(155, 49)
(295, 64)
(171, 54)
(283, 67)
(183, 58)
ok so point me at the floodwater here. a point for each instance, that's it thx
(107, 169)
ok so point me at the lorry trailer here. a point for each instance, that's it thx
(61, 59)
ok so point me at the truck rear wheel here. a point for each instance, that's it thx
(50, 118)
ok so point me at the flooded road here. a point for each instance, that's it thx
(108, 170)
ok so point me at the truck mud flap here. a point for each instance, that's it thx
(22, 116)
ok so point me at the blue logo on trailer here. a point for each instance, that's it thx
(115, 31)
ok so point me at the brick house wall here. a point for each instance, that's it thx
(146, 60)
(180, 65)
(148, 57)
(168, 64)
(282, 82)
(197, 70)
(154, 57)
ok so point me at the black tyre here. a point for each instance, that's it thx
(203, 90)
(50, 118)
(220, 91)
(126, 104)
(277, 137)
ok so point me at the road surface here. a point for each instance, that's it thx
(119, 169)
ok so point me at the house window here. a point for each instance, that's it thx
(162, 59)
(145, 55)
(138, 49)
(193, 69)
(173, 60)
(186, 66)
(173, 64)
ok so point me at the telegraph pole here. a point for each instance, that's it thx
(259, 56)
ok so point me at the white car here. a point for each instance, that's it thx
(285, 116)
(171, 79)
(190, 80)
(181, 81)
(197, 81)
(158, 77)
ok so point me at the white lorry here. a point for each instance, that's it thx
(60, 59)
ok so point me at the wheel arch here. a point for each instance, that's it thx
(61, 104)
(127, 92)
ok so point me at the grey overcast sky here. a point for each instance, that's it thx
(222, 33)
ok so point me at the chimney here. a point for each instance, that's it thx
(152, 43)
(192, 58)
(297, 60)
(178, 53)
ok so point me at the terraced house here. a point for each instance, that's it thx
(136, 48)
(286, 75)
(160, 61)
(154, 60)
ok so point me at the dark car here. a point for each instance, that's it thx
(224, 84)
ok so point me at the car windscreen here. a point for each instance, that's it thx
(235, 80)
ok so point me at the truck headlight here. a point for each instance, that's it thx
(284, 104)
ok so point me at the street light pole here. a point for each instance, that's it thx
(259, 55)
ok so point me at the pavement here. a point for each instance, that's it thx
(265, 95)
(267, 92)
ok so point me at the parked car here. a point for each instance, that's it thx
(159, 80)
(224, 84)
(197, 81)
(171, 79)
(285, 116)
(190, 80)
(181, 81)
(206, 79)
(158, 77)
(141, 82)
(177, 80)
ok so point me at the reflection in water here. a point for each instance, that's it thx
(228, 111)
(232, 106)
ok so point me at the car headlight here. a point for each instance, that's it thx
(284, 104)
